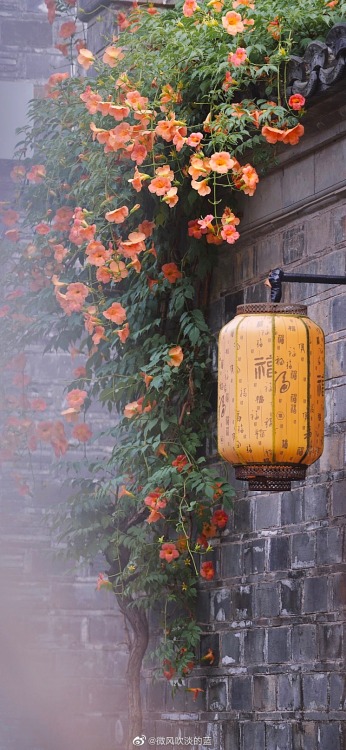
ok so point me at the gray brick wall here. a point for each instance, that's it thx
(275, 615)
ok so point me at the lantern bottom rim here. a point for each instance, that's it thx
(266, 478)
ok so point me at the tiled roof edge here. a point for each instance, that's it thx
(323, 64)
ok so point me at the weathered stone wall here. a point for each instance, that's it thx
(275, 615)
(63, 652)
(100, 17)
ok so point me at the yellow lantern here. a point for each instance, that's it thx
(271, 394)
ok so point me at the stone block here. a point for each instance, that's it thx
(305, 290)
(315, 688)
(339, 224)
(244, 264)
(95, 731)
(241, 693)
(231, 560)
(335, 359)
(340, 400)
(103, 695)
(217, 695)
(105, 629)
(242, 602)
(231, 303)
(329, 407)
(220, 609)
(304, 735)
(279, 736)
(337, 692)
(319, 309)
(304, 644)
(254, 646)
(328, 736)
(330, 640)
(267, 600)
(289, 692)
(332, 458)
(298, 180)
(36, 65)
(156, 695)
(279, 645)
(223, 276)
(333, 264)
(318, 233)
(203, 606)
(268, 253)
(81, 596)
(315, 594)
(31, 5)
(256, 293)
(264, 692)
(265, 202)
(254, 557)
(11, 6)
(339, 498)
(230, 737)
(291, 597)
(279, 553)
(315, 502)
(338, 313)
(253, 735)
(242, 516)
(67, 630)
(293, 244)
(178, 701)
(112, 663)
(292, 507)
(6, 184)
(27, 34)
(230, 648)
(42, 563)
(216, 315)
(100, 31)
(267, 511)
(329, 545)
(339, 590)
(330, 164)
(12, 64)
(303, 550)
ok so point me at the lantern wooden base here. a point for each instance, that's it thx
(265, 478)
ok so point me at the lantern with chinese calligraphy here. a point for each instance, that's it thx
(271, 394)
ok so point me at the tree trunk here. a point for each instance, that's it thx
(138, 622)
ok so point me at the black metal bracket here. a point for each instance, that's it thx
(277, 276)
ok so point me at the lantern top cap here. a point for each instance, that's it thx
(271, 308)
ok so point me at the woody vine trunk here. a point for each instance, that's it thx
(138, 642)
